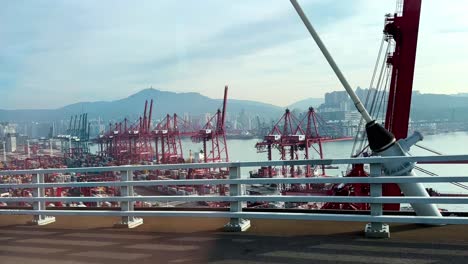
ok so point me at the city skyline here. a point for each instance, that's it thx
(54, 54)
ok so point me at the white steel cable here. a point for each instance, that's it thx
(357, 102)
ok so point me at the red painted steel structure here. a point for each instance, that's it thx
(292, 137)
(289, 137)
(357, 189)
(167, 141)
(129, 144)
(284, 127)
(214, 131)
(313, 138)
(403, 30)
(138, 140)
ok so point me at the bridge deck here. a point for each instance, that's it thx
(88, 240)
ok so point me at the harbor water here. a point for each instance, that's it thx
(448, 143)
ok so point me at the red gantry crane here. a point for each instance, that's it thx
(214, 131)
(129, 144)
(295, 139)
(167, 141)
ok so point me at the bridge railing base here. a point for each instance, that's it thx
(237, 225)
(131, 222)
(377, 230)
(41, 220)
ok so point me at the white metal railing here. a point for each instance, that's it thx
(237, 196)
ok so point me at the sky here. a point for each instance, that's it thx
(53, 53)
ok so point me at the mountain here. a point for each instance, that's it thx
(424, 107)
(439, 107)
(306, 103)
(131, 107)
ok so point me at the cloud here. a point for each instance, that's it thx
(59, 52)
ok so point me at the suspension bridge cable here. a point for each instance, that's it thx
(361, 121)
(463, 186)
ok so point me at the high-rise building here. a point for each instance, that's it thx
(39, 130)
(334, 99)
(10, 142)
(6, 128)
(21, 140)
(186, 117)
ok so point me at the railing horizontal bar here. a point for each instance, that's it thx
(251, 215)
(368, 160)
(383, 179)
(252, 198)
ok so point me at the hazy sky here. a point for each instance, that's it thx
(53, 53)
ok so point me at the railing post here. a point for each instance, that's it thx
(39, 192)
(376, 229)
(128, 206)
(236, 224)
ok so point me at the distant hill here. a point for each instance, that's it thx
(164, 102)
(31, 115)
(306, 103)
(424, 107)
(439, 107)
